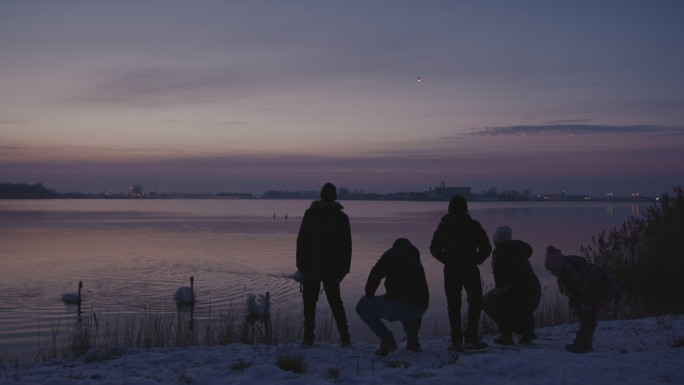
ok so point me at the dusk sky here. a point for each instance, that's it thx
(249, 96)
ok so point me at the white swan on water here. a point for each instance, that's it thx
(259, 306)
(186, 295)
(73, 298)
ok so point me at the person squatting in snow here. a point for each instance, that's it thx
(406, 296)
(517, 291)
(588, 288)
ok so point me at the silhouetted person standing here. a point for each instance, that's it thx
(461, 244)
(323, 257)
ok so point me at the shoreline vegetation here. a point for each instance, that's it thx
(103, 333)
(38, 191)
(644, 254)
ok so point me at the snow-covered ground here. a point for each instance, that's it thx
(645, 351)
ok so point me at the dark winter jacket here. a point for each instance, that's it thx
(324, 245)
(587, 286)
(460, 241)
(513, 272)
(403, 273)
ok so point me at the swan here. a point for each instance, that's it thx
(185, 295)
(73, 298)
(259, 306)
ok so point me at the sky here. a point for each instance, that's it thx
(643, 351)
(585, 97)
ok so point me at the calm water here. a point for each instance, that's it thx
(133, 252)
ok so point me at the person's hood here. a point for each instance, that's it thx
(405, 246)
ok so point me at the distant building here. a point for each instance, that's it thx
(442, 192)
(136, 190)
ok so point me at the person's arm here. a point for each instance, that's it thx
(303, 244)
(348, 246)
(484, 247)
(377, 273)
(436, 247)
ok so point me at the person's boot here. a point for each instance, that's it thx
(581, 344)
(413, 345)
(456, 343)
(527, 338)
(387, 344)
(345, 340)
(308, 339)
(473, 341)
(506, 338)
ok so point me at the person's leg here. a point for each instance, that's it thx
(411, 318)
(473, 288)
(497, 304)
(524, 316)
(310, 291)
(452, 289)
(332, 293)
(411, 328)
(525, 326)
(585, 337)
(589, 321)
(372, 311)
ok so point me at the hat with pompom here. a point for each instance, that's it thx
(554, 261)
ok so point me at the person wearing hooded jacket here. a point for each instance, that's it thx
(588, 288)
(324, 249)
(406, 296)
(461, 244)
(517, 291)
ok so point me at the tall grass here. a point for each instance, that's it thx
(112, 331)
(109, 332)
(646, 255)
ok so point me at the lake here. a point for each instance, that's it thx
(133, 252)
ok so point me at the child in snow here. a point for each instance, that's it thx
(588, 288)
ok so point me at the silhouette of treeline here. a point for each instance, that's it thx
(26, 191)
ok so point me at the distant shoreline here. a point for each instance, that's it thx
(38, 191)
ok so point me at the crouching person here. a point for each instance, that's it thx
(588, 288)
(517, 292)
(406, 296)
